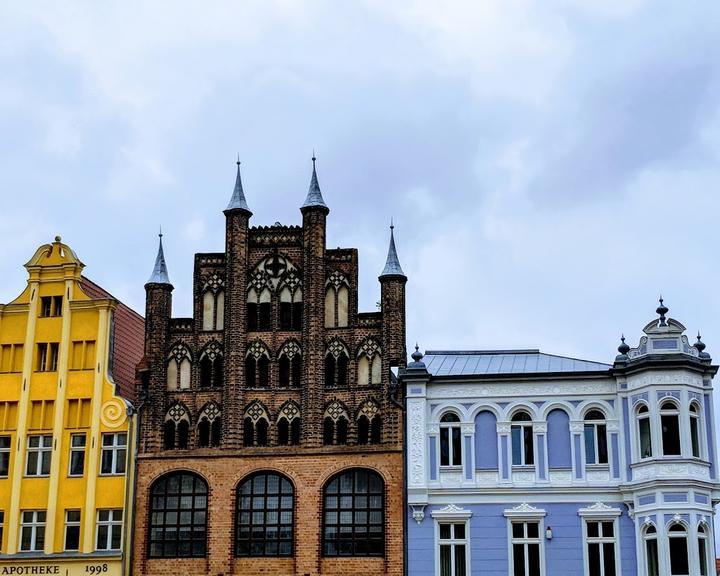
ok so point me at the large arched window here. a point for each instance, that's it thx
(353, 514)
(369, 363)
(450, 440)
(290, 366)
(670, 424)
(209, 426)
(336, 365)
(644, 433)
(337, 298)
(695, 428)
(257, 366)
(179, 365)
(178, 516)
(255, 426)
(176, 427)
(289, 424)
(521, 431)
(335, 424)
(678, 544)
(211, 366)
(596, 451)
(651, 550)
(291, 309)
(264, 516)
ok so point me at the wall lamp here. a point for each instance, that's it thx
(548, 533)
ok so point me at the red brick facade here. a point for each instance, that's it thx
(262, 266)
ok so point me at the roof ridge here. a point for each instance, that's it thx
(467, 352)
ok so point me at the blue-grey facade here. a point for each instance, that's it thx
(523, 463)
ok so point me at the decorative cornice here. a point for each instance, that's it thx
(599, 510)
(524, 510)
(451, 512)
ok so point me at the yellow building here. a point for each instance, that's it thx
(68, 352)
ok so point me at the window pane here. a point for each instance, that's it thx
(445, 531)
(590, 444)
(456, 448)
(607, 529)
(678, 556)
(459, 531)
(528, 434)
(519, 560)
(609, 559)
(533, 529)
(533, 559)
(516, 448)
(593, 529)
(445, 562)
(694, 437)
(444, 447)
(645, 438)
(459, 560)
(594, 559)
(702, 553)
(602, 444)
(670, 435)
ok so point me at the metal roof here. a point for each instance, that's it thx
(237, 200)
(488, 362)
(159, 274)
(314, 196)
(392, 264)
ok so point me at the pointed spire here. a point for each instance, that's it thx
(314, 196)
(159, 274)
(392, 264)
(237, 201)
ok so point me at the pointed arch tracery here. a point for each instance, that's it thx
(176, 427)
(369, 362)
(369, 423)
(335, 424)
(211, 365)
(179, 366)
(210, 425)
(213, 302)
(288, 424)
(336, 364)
(337, 298)
(290, 365)
(255, 425)
(257, 365)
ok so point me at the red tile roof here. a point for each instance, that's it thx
(128, 340)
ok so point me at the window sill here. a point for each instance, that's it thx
(523, 467)
(453, 468)
(600, 467)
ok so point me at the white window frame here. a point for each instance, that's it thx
(594, 424)
(689, 547)
(601, 513)
(638, 439)
(41, 450)
(449, 426)
(525, 513)
(452, 514)
(72, 523)
(111, 523)
(113, 448)
(521, 425)
(34, 525)
(6, 450)
(709, 546)
(644, 538)
(676, 412)
(74, 450)
(697, 416)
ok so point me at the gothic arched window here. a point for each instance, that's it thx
(336, 365)
(179, 365)
(178, 516)
(354, 514)
(211, 366)
(596, 450)
(264, 515)
(288, 424)
(369, 424)
(257, 366)
(259, 310)
(209, 426)
(369, 363)
(213, 301)
(176, 427)
(335, 424)
(291, 309)
(290, 366)
(255, 425)
(670, 424)
(337, 297)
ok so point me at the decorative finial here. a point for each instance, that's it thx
(314, 196)
(392, 264)
(623, 348)
(417, 355)
(238, 160)
(159, 274)
(392, 225)
(237, 200)
(699, 345)
(58, 239)
(160, 234)
(662, 310)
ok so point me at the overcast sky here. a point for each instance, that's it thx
(551, 166)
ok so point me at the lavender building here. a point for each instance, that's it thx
(521, 463)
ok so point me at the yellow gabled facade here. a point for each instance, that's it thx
(67, 438)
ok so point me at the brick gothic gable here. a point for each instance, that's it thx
(260, 343)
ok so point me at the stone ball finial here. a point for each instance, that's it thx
(623, 348)
(417, 355)
(662, 310)
(58, 239)
(699, 345)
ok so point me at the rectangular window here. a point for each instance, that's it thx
(83, 355)
(452, 549)
(78, 413)
(522, 445)
(601, 547)
(4, 455)
(47, 356)
(77, 455)
(114, 450)
(525, 549)
(109, 529)
(11, 358)
(32, 530)
(2, 526)
(39, 453)
(72, 530)
(51, 306)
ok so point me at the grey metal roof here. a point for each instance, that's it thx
(159, 274)
(237, 200)
(392, 264)
(314, 196)
(489, 362)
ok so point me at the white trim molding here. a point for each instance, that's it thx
(524, 510)
(599, 510)
(451, 512)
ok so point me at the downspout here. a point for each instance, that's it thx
(394, 390)
(136, 450)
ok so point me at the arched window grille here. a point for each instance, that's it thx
(255, 427)
(179, 365)
(257, 366)
(450, 440)
(369, 363)
(290, 366)
(670, 424)
(353, 514)
(336, 365)
(264, 516)
(644, 431)
(335, 424)
(178, 516)
(596, 450)
(521, 431)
